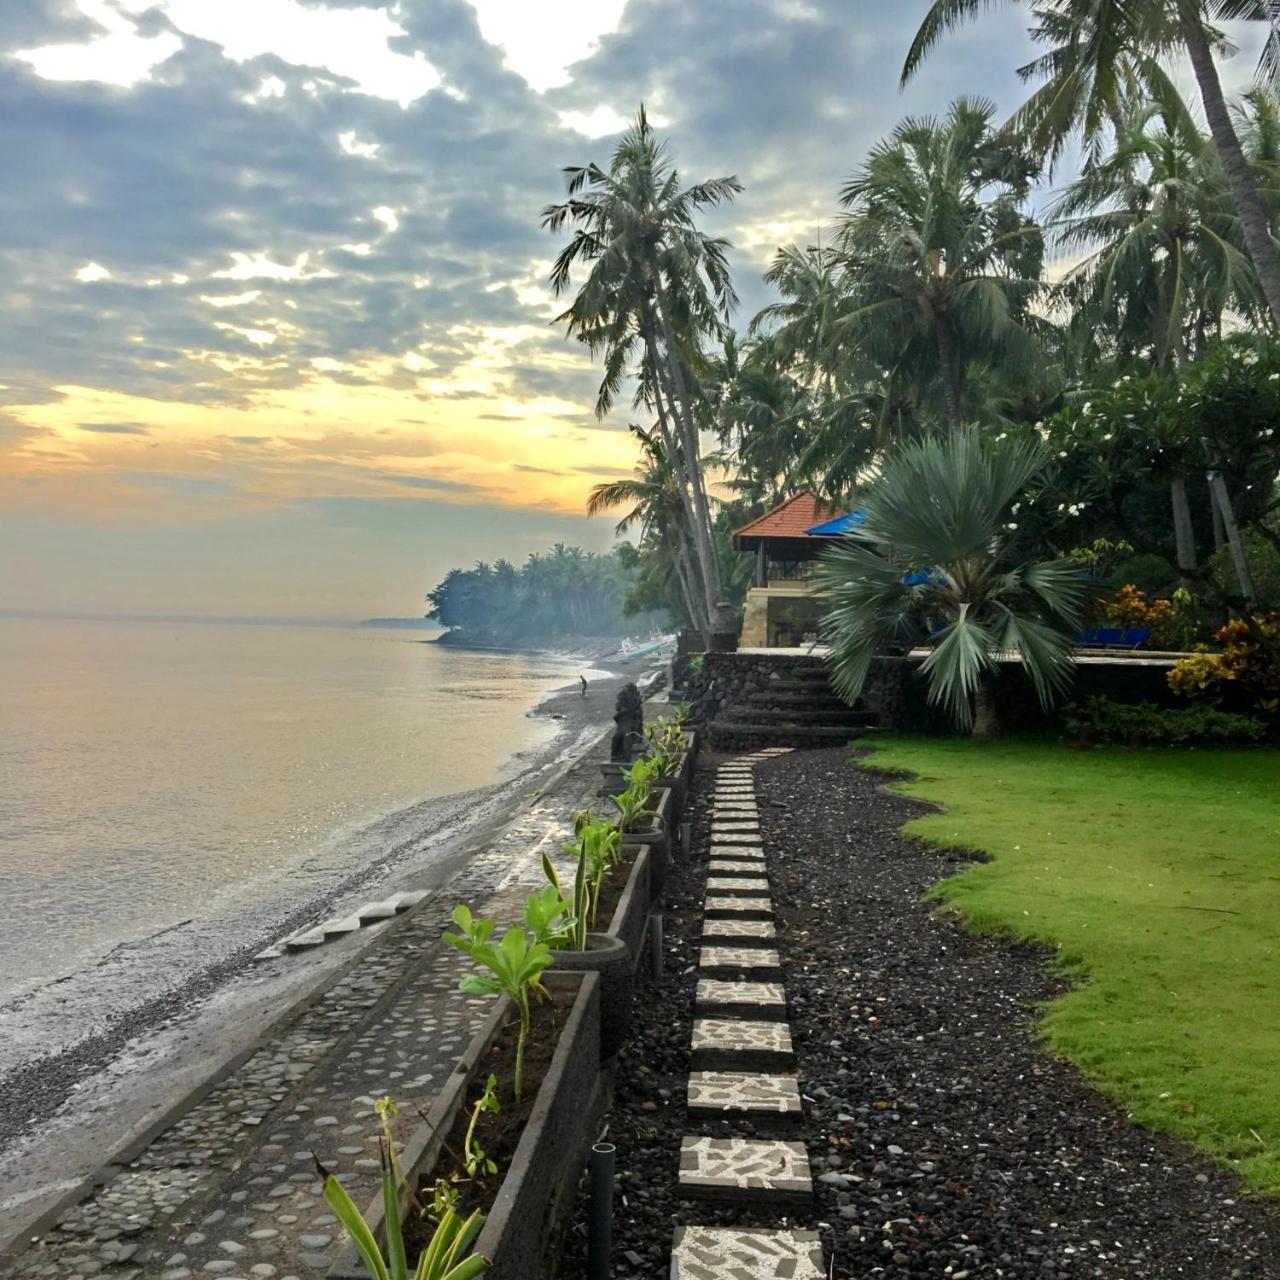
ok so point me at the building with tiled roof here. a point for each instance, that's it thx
(781, 610)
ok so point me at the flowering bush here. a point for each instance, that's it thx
(1197, 675)
(1248, 661)
(1129, 607)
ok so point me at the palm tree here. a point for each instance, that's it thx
(1165, 254)
(655, 506)
(936, 562)
(1104, 53)
(940, 261)
(655, 285)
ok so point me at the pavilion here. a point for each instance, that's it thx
(781, 610)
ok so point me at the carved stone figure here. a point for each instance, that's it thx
(628, 719)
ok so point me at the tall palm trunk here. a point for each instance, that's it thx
(1244, 188)
(680, 556)
(986, 724)
(703, 615)
(950, 375)
(1222, 500)
(689, 434)
(1184, 537)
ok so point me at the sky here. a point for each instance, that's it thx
(277, 336)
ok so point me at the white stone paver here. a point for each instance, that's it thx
(739, 932)
(738, 886)
(745, 1169)
(744, 1094)
(745, 1253)
(739, 958)
(715, 994)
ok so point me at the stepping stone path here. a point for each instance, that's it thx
(743, 1063)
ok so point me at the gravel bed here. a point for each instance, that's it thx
(944, 1141)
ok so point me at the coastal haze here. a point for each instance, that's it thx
(171, 792)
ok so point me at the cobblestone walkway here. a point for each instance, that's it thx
(229, 1189)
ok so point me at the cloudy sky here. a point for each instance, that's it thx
(277, 338)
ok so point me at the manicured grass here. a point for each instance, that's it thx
(1156, 877)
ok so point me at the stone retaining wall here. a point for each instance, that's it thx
(898, 695)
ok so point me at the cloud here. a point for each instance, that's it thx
(430, 482)
(296, 243)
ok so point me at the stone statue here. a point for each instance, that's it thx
(628, 718)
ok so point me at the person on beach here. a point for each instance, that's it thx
(582, 680)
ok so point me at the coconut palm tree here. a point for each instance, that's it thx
(654, 506)
(1165, 257)
(936, 562)
(1104, 53)
(941, 263)
(655, 286)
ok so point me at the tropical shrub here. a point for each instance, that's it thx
(937, 561)
(597, 847)
(1249, 663)
(514, 967)
(1144, 723)
(1130, 607)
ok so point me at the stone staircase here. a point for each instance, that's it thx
(744, 1105)
(799, 709)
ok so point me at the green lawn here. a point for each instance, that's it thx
(1156, 877)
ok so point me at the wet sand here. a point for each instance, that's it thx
(62, 1114)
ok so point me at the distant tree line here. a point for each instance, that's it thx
(563, 594)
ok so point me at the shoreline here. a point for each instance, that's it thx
(106, 1090)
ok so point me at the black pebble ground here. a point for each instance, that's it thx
(944, 1141)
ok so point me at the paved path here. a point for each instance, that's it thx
(229, 1187)
(743, 1064)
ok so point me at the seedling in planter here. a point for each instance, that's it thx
(516, 964)
(448, 1256)
(547, 915)
(633, 802)
(474, 1159)
(660, 752)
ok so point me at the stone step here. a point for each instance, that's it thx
(745, 1253)
(744, 1095)
(737, 867)
(735, 960)
(770, 713)
(731, 837)
(737, 887)
(741, 1044)
(739, 933)
(745, 1171)
(749, 852)
(728, 825)
(720, 907)
(718, 999)
(803, 737)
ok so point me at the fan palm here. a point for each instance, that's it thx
(1104, 53)
(655, 285)
(935, 561)
(941, 263)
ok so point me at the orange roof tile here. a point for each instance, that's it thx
(789, 519)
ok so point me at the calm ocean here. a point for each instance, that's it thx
(182, 776)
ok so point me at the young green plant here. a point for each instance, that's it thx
(448, 1254)
(514, 967)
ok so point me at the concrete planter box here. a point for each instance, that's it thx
(611, 773)
(657, 835)
(614, 956)
(542, 1177)
(631, 915)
